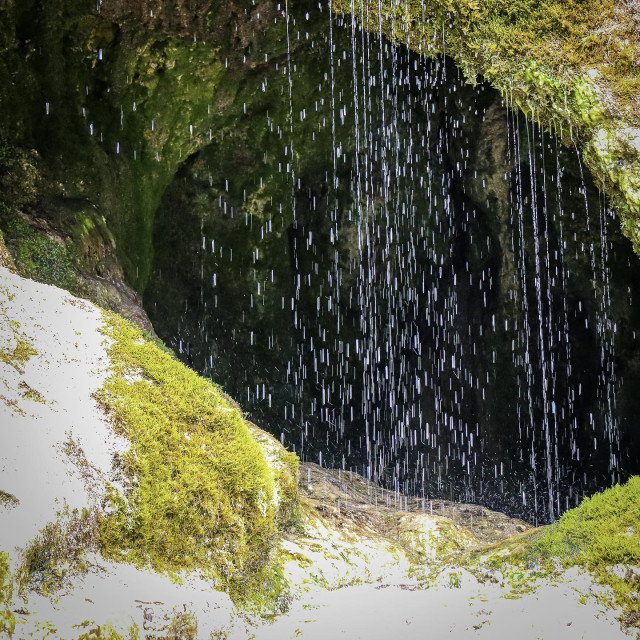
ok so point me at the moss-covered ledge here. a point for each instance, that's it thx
(571, 65)
(202, 492)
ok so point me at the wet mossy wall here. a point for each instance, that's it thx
(114, 95)
(260, 279)
(121, 66)
(571, 65)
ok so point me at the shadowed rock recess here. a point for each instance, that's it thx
(367, 315)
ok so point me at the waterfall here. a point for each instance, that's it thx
(421, 283)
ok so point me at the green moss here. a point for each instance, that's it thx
(39, 256)
(602, 535)
(58, 552)
(570, 65)
(6, 260)
(30, 393)
(90, 238)
(7, 619)
(149, 337)
(19, 355)
(200, 494)
(604, 529)
(501, 37)
(107, 632)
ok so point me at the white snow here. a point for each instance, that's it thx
(70, 366)
(56, 455)
(119, 594)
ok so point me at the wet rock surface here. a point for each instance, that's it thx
(348, 496)
(285, 282)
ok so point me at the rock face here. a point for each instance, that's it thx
(115, 99)
(124, 120)
(538, 62)
(471, 240)
(349, 496)
(392, 567)
(60, 240)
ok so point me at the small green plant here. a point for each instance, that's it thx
(30, 393)
(19, 355)
(183, 626)
(454, 580)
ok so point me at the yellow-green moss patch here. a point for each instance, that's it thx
(199, 492)
(19, 355)
(107, 632)
(7, 619)
(58, 551)
(602, 535)
(30, 393)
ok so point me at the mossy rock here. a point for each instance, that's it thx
(200, 494)
(6, 260)
(601, 536)
(568, 65)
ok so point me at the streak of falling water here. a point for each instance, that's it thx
(549, 374)
(291, 153)
(606, 389)
(543, 327)
(524, 337)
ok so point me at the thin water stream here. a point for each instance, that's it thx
(395, 274)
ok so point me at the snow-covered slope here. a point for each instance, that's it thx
(57, 445)
(56, 454)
